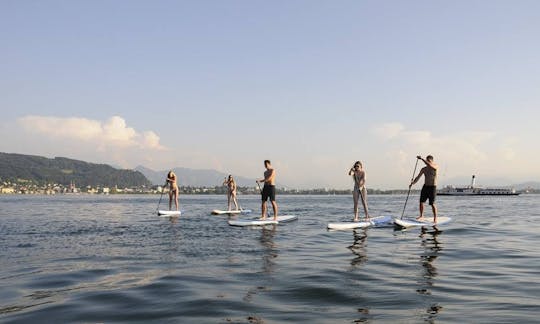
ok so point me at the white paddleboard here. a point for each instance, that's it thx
(169, 213)
(268, 221)
(428, 221)
(374, 221)
(230, 212)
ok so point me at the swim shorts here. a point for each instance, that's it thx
(428, 192)
(269, 191)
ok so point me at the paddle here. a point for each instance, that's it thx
(260, 190)
(161, 196)
(408, 192)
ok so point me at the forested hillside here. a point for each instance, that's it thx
(16, 167)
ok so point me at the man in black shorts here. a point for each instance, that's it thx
(269, 189)
(429, 190)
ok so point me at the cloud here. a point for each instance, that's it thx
(110, 141)
(459, 153)
(112, 133)
(78, 128)
(459, 144)
(388, 130)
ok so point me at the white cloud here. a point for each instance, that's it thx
(459, 154)
(116, 132)
(109, 141)
(78, 128)
(112, 133)
(388, 130)
(150, 140)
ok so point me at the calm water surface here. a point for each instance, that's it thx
(107, 259)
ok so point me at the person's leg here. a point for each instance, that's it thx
(170, 199)
(355, 201)
(364, 202)
(264, 195)
(423, 198)
(263, 210)
(235, 202)
(275, 208)
(432, 197)
(229, 201)
(176, 193)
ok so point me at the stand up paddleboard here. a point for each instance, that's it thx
(257, 222)
(374, 221)
(169, 213)
(230, 212)
(428, 221)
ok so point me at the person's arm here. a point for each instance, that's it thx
(431, 164)
(417, 177)
(362, 179)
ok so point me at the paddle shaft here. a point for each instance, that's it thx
(260, 190)
(408, 192)
(161, 196)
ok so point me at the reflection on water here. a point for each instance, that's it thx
(358, 248)
(171, 243)
(269, 249)
(269, 254)
(432, 247)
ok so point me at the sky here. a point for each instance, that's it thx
(311, 85)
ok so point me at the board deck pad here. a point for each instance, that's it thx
(268, 221)
(230, 212)
(169, 213)
(374, 221)
(428, 221)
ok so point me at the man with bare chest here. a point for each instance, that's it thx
(429, 190)
(269, 189)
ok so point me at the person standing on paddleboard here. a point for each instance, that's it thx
(231, 192)
(429, 190)
(359, 177)
(173, 189)
(269, 189)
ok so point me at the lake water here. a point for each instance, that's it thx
(107, 259)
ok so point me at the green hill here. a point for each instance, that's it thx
(41, 170)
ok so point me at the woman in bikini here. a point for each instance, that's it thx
(359, 177)
(231, 192)
(173, 189)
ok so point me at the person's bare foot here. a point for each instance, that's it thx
(420, 218)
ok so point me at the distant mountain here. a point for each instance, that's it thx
(194, 177)
(14, 167)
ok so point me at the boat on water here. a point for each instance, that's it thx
(473, 190)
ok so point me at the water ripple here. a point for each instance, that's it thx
(110, 259)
